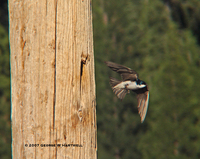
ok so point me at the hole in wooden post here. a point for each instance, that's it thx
(81, 72)
(81, 68)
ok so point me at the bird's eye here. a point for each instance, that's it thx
(139, 82)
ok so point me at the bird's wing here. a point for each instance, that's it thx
(143, 102)
(125, 72)
(120, 92)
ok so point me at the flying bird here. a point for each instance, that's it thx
(130, 81)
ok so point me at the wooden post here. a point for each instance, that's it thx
(52, 76)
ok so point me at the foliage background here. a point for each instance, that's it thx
(160, 40)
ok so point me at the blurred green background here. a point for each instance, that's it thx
(160, 39)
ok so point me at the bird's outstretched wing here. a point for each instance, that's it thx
(125, 72)
(143, 102)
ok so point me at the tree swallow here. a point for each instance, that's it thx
(129, 82)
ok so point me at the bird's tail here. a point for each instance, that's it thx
(120, 92)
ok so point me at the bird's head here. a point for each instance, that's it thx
(141, 84)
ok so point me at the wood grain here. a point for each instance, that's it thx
(52, 76)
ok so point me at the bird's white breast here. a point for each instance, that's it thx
(132, 85)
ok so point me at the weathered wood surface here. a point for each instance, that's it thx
(52, 75)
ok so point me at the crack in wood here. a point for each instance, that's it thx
(54, 99)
